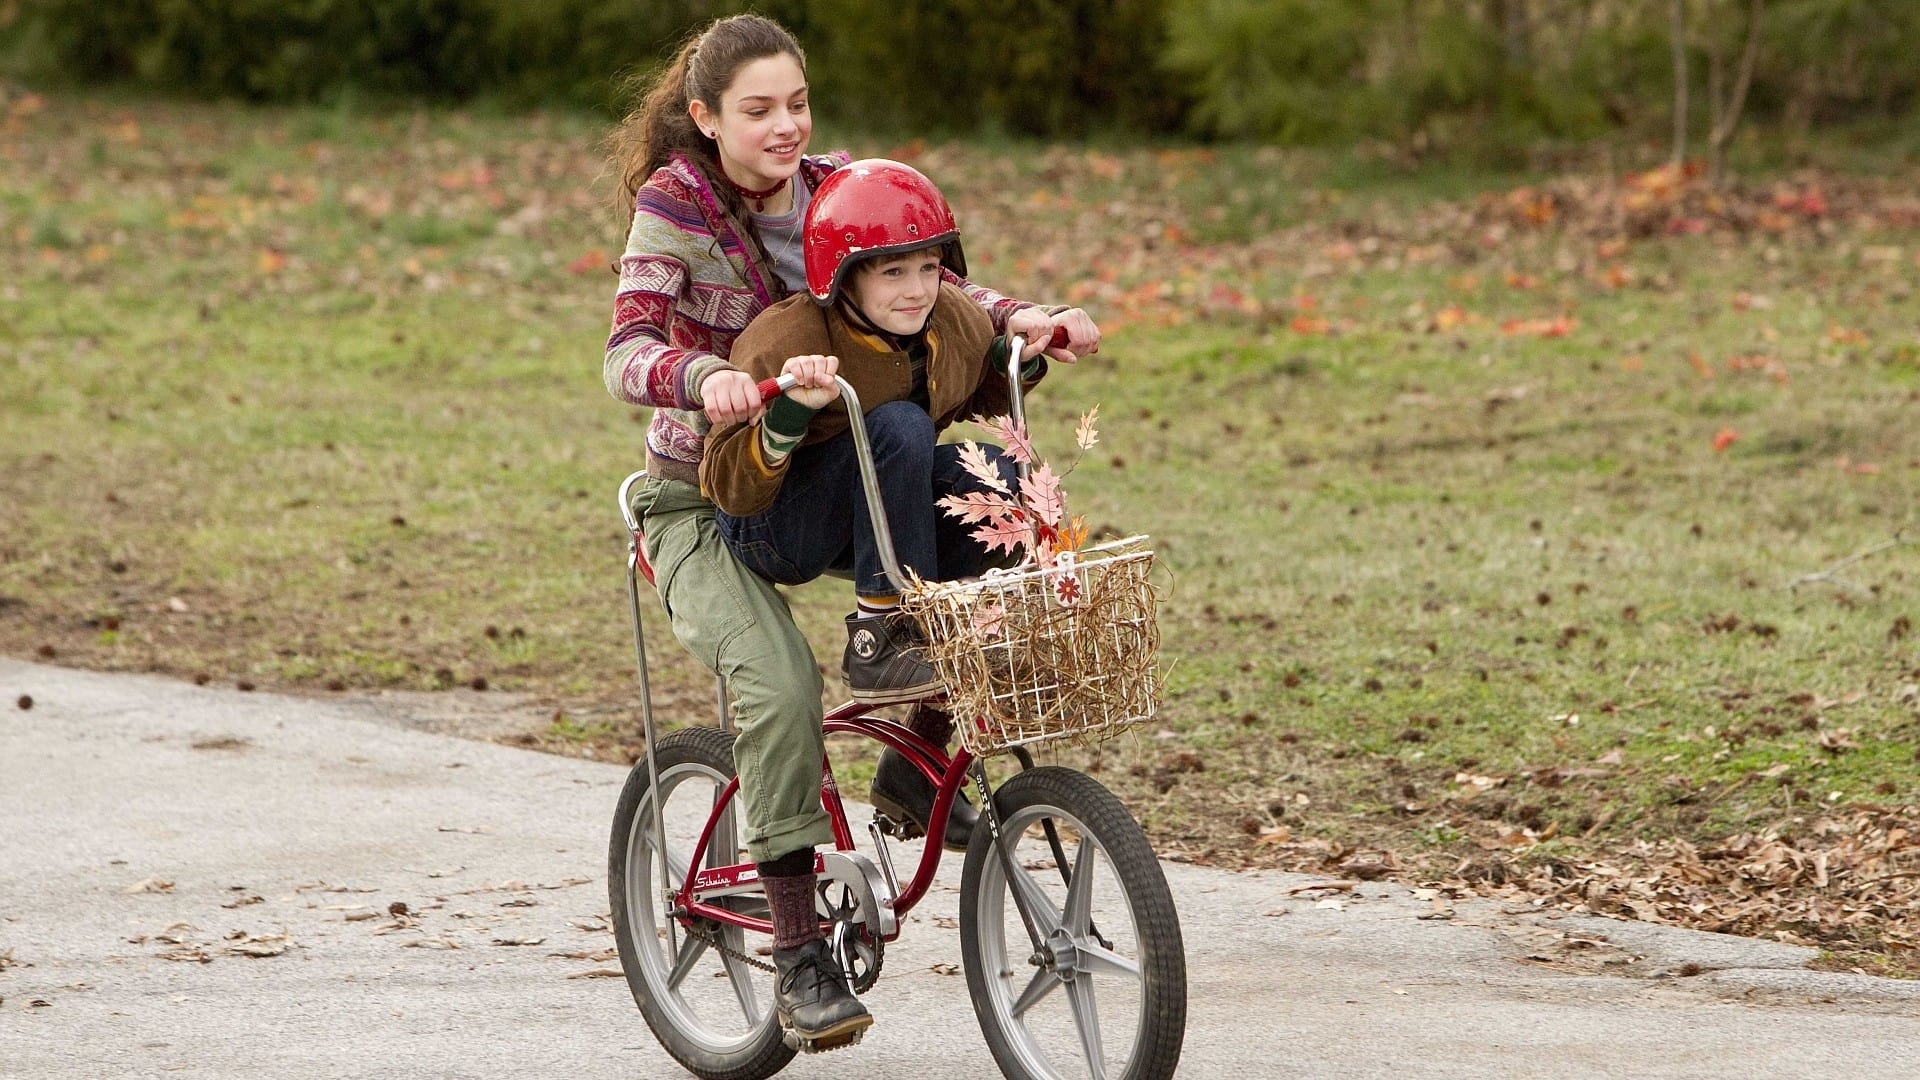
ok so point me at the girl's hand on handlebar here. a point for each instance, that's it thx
(1033, 327)
(814, 385)
(730, 397)
(1083, 335)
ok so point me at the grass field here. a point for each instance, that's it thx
(1538, 533)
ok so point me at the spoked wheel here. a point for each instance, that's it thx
(1103, 994)
(712, 1011)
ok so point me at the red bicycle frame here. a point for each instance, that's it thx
(947, 773)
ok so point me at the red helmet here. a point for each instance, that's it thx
(874, 207)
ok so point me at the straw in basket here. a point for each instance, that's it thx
(1037, 653)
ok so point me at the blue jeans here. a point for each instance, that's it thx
(818, 523)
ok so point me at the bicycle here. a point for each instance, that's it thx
(1079, 977)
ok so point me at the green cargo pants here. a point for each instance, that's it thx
(739, 625)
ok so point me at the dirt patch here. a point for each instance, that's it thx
(490, 716)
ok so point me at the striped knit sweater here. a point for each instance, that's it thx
(689, 285)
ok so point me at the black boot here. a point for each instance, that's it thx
(904, 794)
(813, 1000)
(884, 664)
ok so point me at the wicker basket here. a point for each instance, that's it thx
(1030, 657)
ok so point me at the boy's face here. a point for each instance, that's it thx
(896, 292)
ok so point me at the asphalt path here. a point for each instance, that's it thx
(200, 882)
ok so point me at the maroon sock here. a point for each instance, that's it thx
(790, 899)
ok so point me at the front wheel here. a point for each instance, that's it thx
(1102, 993)
(706, 1004)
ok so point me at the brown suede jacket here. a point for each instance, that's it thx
(961, 383)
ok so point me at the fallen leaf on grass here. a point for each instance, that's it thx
(1557, 327)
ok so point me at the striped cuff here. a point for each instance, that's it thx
(782, 428)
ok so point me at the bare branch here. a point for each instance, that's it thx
(1831, 574)
(1678, 37)
(1727, 116)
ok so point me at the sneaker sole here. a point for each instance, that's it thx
(897, 695)
(843, 1034)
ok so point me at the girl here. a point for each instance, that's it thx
(716, 178)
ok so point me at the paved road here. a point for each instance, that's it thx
(153, 833)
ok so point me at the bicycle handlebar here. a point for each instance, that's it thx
(870, 482)
(780, 384)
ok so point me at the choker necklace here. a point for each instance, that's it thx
(759, 197)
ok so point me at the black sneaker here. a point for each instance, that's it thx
(884, 664)
(904, 794)
(812, 998)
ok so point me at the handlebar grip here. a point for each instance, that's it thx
(774, 387)
(1059, 338)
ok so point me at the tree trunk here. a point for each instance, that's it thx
(1678, 36)
(1516, 34)
(1728, 114)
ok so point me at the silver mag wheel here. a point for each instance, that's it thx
(711, 1010)
(1102, 995)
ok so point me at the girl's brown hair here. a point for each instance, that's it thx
(660, 125)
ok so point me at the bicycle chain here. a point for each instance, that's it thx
(694, 931)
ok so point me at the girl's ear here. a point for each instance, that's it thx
(703, 117)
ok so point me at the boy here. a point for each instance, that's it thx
(883, 313)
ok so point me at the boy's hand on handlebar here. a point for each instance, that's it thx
(815, 386)
(1083, 335)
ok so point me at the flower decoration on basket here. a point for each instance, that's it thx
(1036, 516)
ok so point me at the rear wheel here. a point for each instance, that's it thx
(712, 1011)
(1102, 995)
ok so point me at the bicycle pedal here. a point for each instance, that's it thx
(837, 1041)
(903, 829)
